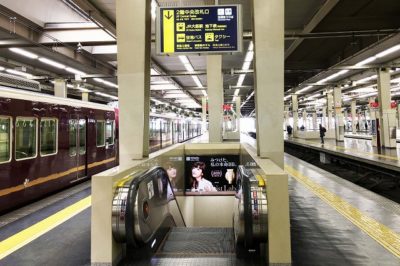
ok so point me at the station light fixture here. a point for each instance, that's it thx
(24, 53)
(204, 93)
(51, 62)
(75, 71)
(106, 95)
(2, 68)
(304, 89)
(19, 73)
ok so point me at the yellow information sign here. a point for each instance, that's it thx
(204, 29)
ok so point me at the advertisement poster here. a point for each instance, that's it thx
(211, 174)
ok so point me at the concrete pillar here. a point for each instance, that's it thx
(268, 34)
(305, 119)
(353, 116)
(85, 96)
(372, 117)
(204, 114)
(387, 115)
(314, 119)
(323, 119)
(286, 116)
(329, 104)
(295, 110)
(238, 114)
(339, 127)
(215, 97)
(398, 116)
(60, 88)
(268, 37)
(134, 45)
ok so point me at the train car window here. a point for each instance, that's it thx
(5, 139)
(48, 136)
(100, 133)
(72, 136)
(25, 138)
(110, 132)
(82, 136)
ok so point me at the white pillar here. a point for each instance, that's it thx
(353, 116)
(314, 119)
(329, 104)
(372, 117)
(295, 110)
(268, 33)
(204, 114)
(339, 127)
(286, 116)
(60, 88)
(387, 115)
(323, 119)
(305, 119)
(134, 44)
(85, 96)
(238, 114)
(215, 97)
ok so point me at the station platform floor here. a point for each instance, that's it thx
(333, 222)
(355, 148)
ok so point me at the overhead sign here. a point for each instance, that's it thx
(205, 29)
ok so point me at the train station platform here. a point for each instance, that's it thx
(355, 149)
(333, 222)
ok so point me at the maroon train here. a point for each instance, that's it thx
(48, 143)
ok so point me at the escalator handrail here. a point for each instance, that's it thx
(133, 189)
(246, 195)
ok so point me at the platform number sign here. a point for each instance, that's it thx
(205, 29)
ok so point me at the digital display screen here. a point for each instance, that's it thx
(211, 174)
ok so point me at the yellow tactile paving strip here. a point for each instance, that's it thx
(381, 233)
(29, 234)
(356, 151)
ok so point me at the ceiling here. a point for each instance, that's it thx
(321, 37)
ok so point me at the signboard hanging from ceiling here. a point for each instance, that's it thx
(204, 29)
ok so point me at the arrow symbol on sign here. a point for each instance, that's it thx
(168, 16)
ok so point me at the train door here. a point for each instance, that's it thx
(78, 145)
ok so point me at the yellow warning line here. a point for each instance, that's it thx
(357, 151)
(381, 233)
(29, 234)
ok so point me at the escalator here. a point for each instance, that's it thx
(147, 218)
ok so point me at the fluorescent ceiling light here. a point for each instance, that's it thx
(1, 68)
(106, 95)
(197, 81)
(108, 83)
(286, 97)
(163, 87)
(154, 72)
(246, 65)
(24, 53)
(159, 82)
(366, 61)
(304, 89)
(204, 92)
(240, 80)
(388, 51)
(83, 89)
(367, 95)
(366, 79)
(19, 73)
(237, 92)
(249, 56)
(189, 67)
(75, 71)
(184, 59)
(51, 62)
(364, 90)
(342, 72)
(251, 46)
(175, 95)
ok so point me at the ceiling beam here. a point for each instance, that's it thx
(318, 17)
